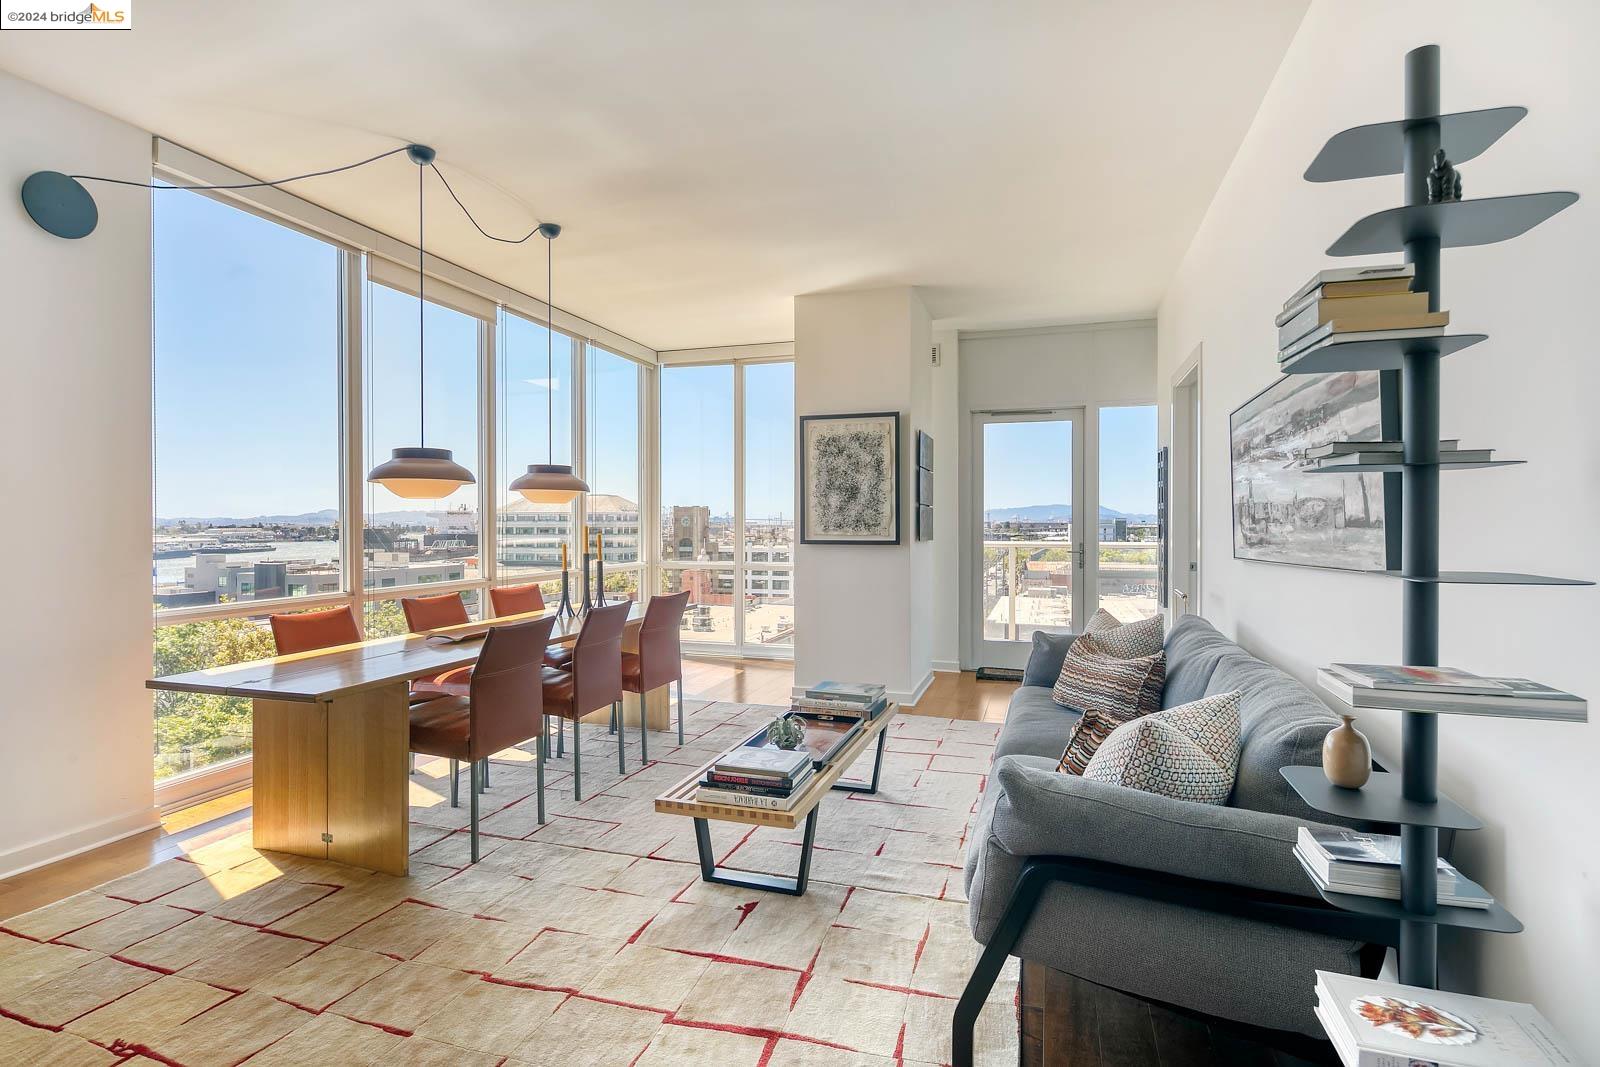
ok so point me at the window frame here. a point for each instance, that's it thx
(741, 646)
(493, 472)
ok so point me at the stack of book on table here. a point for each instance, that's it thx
(1345, 453)
(1448, 690)
(757, 776)
(1382, 1024)
(1368, 865)
(841, 700)
(1356, 304)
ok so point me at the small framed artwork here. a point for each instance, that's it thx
(924, 522)
(924, 450)
(850, 479)
(924, 487)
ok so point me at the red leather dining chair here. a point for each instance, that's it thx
(659, 660)
(430, 613)
(593, 681)
(504, 706)
(519, 600)
(306, 631)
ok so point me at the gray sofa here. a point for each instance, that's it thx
(1199, 906)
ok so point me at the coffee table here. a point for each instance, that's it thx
(680, 800)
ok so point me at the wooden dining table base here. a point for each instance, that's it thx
(329, 778)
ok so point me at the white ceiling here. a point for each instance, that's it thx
(1023, 161)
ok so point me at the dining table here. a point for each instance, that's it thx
(330, 776)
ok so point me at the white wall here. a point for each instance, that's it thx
(949, 437)
(76, 358)
(1530, 391)
(1102, 364)
(866, 351)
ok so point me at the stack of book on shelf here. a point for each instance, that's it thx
(1382, 1024)
(1345, 453)
(1448, 691)
(1368, 865)
(757, 776)
(841, 700)
(1356, 304)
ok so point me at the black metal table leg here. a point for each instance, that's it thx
(877, 769)
(772, 883)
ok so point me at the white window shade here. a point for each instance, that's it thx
(403, 278)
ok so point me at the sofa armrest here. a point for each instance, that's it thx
(1042, 812)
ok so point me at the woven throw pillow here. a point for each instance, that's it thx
(1088, 734)
(1144, 637)
(1190, 752)
(1094, 678)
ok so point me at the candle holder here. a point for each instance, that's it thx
(600, 581)
(564, 609)
(587, 603)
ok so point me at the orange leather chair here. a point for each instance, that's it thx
(516, 599)
(593, 681)
(307, 631)
(503, 707)
(659, 660)
(430, 613)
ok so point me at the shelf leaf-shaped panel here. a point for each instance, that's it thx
(1494, 919)
(1457, 224)
(1491, 578)
(1377, 801)
(1335, 357)
(1379, 148)
(1396, 468)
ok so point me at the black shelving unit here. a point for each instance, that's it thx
(1411, 798)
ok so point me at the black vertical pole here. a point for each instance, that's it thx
(1419, 845)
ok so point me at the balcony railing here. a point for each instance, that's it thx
(1027, 584)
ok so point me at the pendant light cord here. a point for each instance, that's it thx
(549, 353)
(422, 335)
(243, 185)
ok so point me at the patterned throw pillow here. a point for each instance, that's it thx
(1088, 734)
(1145, 637)
(1094, 678)
(1190, 752)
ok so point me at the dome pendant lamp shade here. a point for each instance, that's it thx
(549, 483)
(421, 473)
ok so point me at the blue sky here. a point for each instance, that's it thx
(247, 394)
(1030, 462)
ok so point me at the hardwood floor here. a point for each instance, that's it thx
(1066, 1022)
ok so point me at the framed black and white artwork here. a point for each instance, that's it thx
(850, 479)
(1286, 512)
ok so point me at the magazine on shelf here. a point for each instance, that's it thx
(1325, 337)
(843, 707)
(762, 758)
(1523, 699)
(1344, 448)
(1368, 865)
(1417, 679)
(1455, 455)
(775, 788)
(1384, 276)
(1384, 1024)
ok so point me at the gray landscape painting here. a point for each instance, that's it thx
(1281, 512)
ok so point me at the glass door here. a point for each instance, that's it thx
(1029, 551)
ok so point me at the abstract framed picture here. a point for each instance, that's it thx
(850, 479)
(924, 450)
(1284, 511)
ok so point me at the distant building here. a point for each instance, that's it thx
(531, 535)
(689, 536)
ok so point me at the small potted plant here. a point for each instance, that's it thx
(786, 732)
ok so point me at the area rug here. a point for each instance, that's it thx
(588, 940)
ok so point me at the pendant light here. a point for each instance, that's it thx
(550, 483)
(421, 473)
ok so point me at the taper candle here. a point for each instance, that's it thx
(563, 555)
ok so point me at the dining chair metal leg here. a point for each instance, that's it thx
(680, 711)
(541, 753)
(455, 780)
(613, 728)
(476, 789)
(561, 737)
(644, 736)
(577, 764)
(622, 759)
(485, 774)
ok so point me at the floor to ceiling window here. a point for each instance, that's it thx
(612, 417)
(537, 387)
(420, 542)
(247, 452)
(1128, 539)
(729, 540)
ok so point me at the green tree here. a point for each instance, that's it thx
(194, 729)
